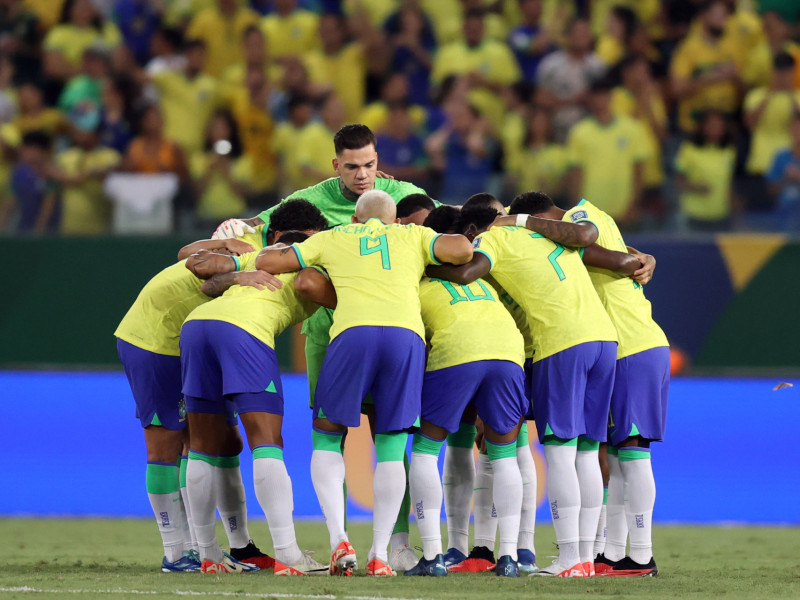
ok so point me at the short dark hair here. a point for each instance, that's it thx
(412, 203)
(530, 203)
(297, 214)
(37, 138)
(442, 219)
(297, 100)
(293, 237)
(482, 200)
(783, 61)
(353, 137)
(480, 216)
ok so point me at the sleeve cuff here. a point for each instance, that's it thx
(432, 253)
(303, 264)
(491, 262)
(236, 262)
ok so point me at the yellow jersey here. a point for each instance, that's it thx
(542, 169)
(622, 297)
(185, 103)
(607, 155)
(256, 130)
(261, 313)
(624, 103)
(772, 131)
(313, 147)
(376, 269)
(467, 323)
(345, 71)
(551, 285)
(222, 36)
(85, 209)
(711, 166)
(219, 199)
(516, 312)
(71, 41)
(296, 34)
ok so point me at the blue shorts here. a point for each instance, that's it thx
(639, 399)
(155, 381)
(222, 362)
(571, 391)
(495, 387)
(388, 362)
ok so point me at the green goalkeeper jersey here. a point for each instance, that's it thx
(337, 209)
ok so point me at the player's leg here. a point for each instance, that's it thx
(602, 531)
(616, 524)
(189, 537)
(485, 530)
(526, 549)
(458, 480)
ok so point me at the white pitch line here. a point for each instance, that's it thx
(31, 590)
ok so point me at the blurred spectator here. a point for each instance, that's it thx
(412, 40)
(606, 158)
(33, 115)
(222, 177)
(116, 120)
(9, 104)
(394, 90)
(639, 97)
(779, 40)
(704, 168)
(150, 152)
(621, 26)
(515, 123)
(82, 168)
(315, 151)
(462, 151)
(32, 203)
(488, 66)
(221, 28)
(531, 41)
(20, 37)
(138, 20)
(294, 82)
(83, 93)
(290, 31)
(188, 97)
(784, 180)
(704, 72)
(543, 163)
(47, 11)
(564, 77)
(744, 32)
(285, 144)
(255, 57)
(165, 51)
(402, 151)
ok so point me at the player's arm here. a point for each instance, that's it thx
(219, 283)
(452, 248)
(232, 245)
(476, 268)
(645, 273)
(205, 264)
(575, 235)
(619, 262)
(278, 260)
(313, 286)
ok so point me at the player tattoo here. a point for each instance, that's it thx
(568, 234)
(218, 284)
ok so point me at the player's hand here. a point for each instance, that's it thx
(644, 274)
(232, 228)
(238, 247)
(258, 280)
(383, 175)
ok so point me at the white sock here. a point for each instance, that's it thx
(616, 526)
(399, 540)
(485, 513)
(602, 531)
(590, 480)
(426, 501)
(274, 492)
(327, 475)
(232, 505)
(169, 514)
(189, 537)
(458, 479)
(564, 495)
(527, 521)
(388, 487)
(507, 490)
(200, 485)
(641, 497)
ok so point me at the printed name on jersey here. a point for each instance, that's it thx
(578, 215)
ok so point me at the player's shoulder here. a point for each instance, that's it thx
(583, 210)
(397, 189)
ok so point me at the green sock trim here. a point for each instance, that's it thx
(228, 462)
(268, 452)
(331, 442)
(464, 437)
(212, 460)
(401, 524)
(628, 454)
(605, 496)
(184, 462)
(156, 421)
(522, 438)
(587, 445)
(390, 446)
(425, 445)
(613, 450)
(551, 440)
(162, 479)
(498, 451)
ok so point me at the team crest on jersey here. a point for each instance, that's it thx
(476, 243)
(622, 143)
(578, 215)
(181, 410)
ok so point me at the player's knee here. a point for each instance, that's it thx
(233, 443)
(163, 445)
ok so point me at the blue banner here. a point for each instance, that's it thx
(72, 446)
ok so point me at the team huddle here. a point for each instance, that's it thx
(451, 325)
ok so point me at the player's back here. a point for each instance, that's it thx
(376, 269)
(623, 298)
(467, 323)
(551, 285)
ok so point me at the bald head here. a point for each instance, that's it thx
(376, 204)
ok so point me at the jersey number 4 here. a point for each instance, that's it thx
(379, 245)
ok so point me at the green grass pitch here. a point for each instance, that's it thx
(94, 558)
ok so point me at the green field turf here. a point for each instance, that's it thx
(120, 559)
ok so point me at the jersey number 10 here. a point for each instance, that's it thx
(381, 245)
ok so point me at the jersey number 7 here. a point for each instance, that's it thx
(381, 245)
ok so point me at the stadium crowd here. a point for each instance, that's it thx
(668, 114)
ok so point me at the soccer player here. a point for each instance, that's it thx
(377, 347)
(484, 200)
(227, 355)
(475, 361)
(641, 384)
(147, 343)
(414, 209)
(356, 166)
(572, 371)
